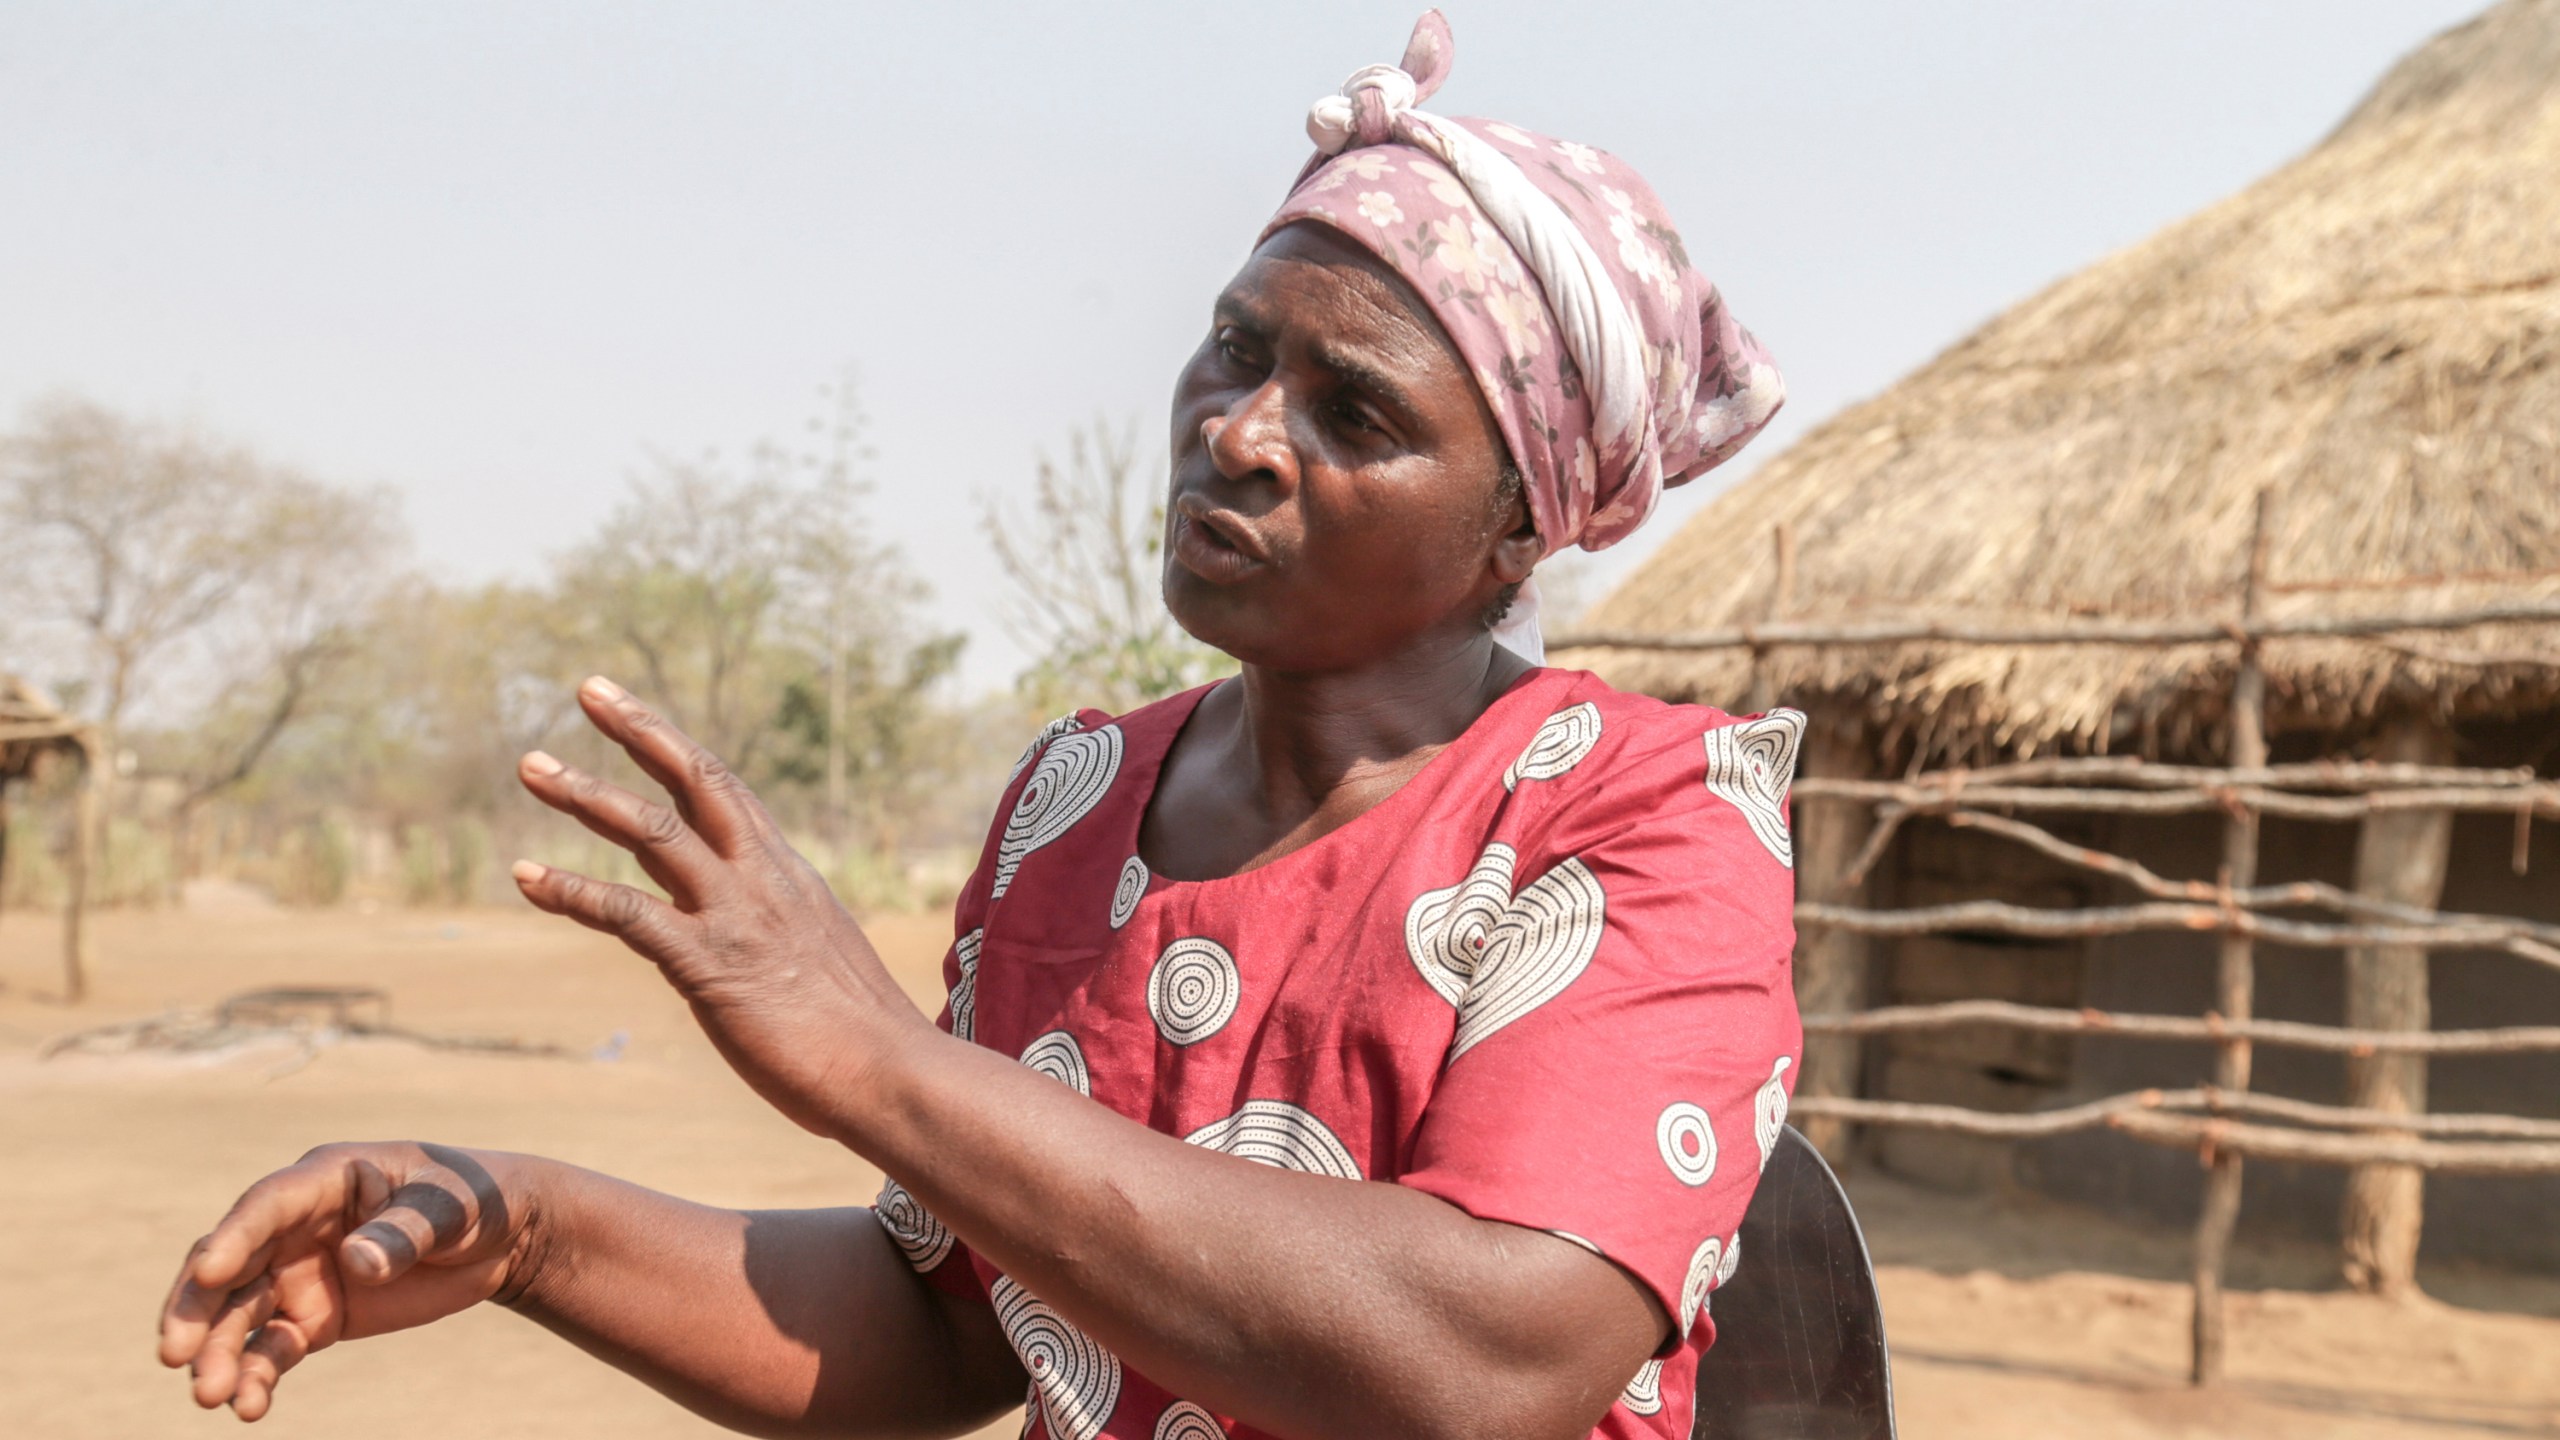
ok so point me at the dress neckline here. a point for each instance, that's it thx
(1424, 782)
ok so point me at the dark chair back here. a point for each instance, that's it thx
(1799, 1352)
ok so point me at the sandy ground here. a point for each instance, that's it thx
(2008, 1319)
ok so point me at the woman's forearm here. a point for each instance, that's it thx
(779, 1322)
(1299, 1304)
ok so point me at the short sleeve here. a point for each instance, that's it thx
(1628, 1039)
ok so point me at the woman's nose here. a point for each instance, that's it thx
(1251, 440)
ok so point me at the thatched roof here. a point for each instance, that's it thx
(31, 724)
(2373, 332)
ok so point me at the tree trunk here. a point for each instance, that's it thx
(1831, 965)
(182, 844)
(84, 851)
(2400, 856)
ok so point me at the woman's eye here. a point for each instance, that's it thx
(1353, 418)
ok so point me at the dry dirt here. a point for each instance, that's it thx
(2008, 1319)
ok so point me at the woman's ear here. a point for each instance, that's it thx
(1518, 553)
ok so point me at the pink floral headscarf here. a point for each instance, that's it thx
(1611, 366)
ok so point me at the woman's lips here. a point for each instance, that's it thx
(1214, 546)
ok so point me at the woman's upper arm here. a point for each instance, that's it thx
(1627, 1103)
(893, 1353)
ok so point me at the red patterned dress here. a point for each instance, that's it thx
(1546, 981)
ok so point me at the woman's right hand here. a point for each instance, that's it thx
(351, 1241)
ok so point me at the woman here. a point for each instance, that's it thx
(1383, 1042)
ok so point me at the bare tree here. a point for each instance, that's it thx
(183, 580)
(1086, 567)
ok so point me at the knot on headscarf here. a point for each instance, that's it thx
(1611, 366)
(1365, 109)
(1370, 103)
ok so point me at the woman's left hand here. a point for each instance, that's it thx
(776, 971)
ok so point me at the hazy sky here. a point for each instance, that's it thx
(492, 254)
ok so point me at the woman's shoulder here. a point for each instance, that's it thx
(1622, 728)
(1604, 760)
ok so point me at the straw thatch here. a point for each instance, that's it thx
(31, 726)
(2372, 332)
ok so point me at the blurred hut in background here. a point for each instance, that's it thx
(36, 736)
(2371, 337)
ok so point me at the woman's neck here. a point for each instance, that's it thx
(1279, 759)
(1300, 739)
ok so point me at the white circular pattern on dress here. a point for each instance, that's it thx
(1183, 1420)
(1446, 931)
(1559, 745)
(1058, 1056)
(1643, 1394)
(1749, 766)
(1193, 989)
(1131, 889)
(1732, 1260)
(1702, 1275)
(923, 1239)
(1572, 1239)
(1498, 956)
(1076, 1381)
(1544, 943)
(1051, 731)
(1769, 1111)
(1277, 1133)
(964, 991)
(1074, 772)
(1688, 1141)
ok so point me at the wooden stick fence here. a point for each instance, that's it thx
(2140, 1117)
(2215, 1028)
(2043, 1124)
(2521, 938)
(2541, 800)
(2222, 1122)
(2147, 633)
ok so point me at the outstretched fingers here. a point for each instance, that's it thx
(642, 921)
(706, 792)
(658, 837)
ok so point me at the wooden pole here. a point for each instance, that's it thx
(2400, 859)
(1761, 693)
(75, 906)
(1831, 962)
(2235, 968)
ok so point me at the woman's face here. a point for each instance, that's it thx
(1334, 495)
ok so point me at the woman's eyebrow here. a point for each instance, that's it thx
(1354, 370)
(1236, 312)
(1365, 376)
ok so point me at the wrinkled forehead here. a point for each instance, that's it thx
(1312, 261)
(1314, 284)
